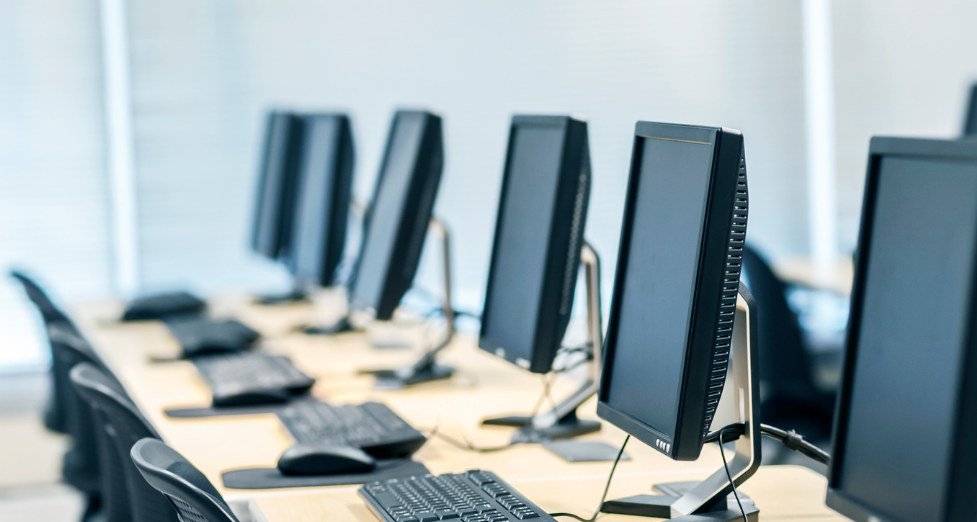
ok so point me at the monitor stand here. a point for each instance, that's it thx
(562, 421)
(427, 369)
(710, 500)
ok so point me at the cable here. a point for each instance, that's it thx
(728, 475)
(467, 445)
(607, 488)
(791, 439)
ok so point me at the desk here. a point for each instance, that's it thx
(484, 386)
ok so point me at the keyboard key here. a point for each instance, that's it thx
(426, 516)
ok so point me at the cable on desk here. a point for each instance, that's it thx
(467, 445)
(729, 476)
(607, 487)
(791, 439)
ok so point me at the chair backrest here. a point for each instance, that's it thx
(124, 424)
(55, 413)
(192, 495)
(81, 463)
(784, 365)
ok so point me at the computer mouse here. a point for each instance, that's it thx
(324, 459)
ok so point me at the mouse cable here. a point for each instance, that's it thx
(607, 488)
(791, 439)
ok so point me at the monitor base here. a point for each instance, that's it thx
(293, 296)
(403, 378)
(341, 326)
(660, 506)
(568, 427)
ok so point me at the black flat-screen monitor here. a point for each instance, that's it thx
(275, 194)
(322, 198)
(907, 410)
(538, 236)
(669, 331)
(397, 221)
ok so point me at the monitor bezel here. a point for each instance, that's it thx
(717, 221)
(426, 170)
(550, 329)
(959, 492)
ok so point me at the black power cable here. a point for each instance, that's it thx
(729, 476)
(790, 439)
(607, 488)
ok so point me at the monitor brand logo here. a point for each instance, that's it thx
(662, 445)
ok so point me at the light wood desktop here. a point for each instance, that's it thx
(484, 386)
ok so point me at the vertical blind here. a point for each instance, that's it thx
(53, 193)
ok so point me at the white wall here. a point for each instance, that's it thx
(204, 72)
(901, 68)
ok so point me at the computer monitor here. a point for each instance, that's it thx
(322, 199)
(907, 409)
(275, 195)
(671, 317)
(538, 235)
(970, 118)
(397, 221)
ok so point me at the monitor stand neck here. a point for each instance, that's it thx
(562, 421)
(427, 369)
(710, 500)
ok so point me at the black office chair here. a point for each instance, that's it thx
(54, 416)
(790, 397)
(122, 424)
(192, 495)
(81, 467)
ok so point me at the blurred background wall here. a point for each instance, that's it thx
(200, 74)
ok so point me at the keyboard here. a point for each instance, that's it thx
(202, 336)
(242, 379)
(371, 426)
(473, 496)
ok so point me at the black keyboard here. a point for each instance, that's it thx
(473, 496)
(240, 379)
(371, 426)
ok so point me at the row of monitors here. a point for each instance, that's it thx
(908, 404)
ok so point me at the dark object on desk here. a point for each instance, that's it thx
(473, 495)
(54, 414)
(324, 459)
(250, 379)
(163, 306)
(970, 118)
(201, 336)
(372, 427)
(903, 444)
(184, 486)
(272, 478)
(790, 400)
(122, 425)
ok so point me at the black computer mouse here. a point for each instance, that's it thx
(324, 459)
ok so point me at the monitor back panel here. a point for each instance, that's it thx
(970, 118)
(322, 199)
(906, 416)
(399, 214)
(668, 338)
(275, 195)
(538, 236)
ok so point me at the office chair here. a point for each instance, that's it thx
(115, 497)
(81, 467)
(790, 398)
(192, 495)
(123, 424)
(54, 416)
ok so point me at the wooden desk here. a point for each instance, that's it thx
(783, 493)
(483, 386)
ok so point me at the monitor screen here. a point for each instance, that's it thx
(387, 209)
(519, 259)
(655, 308)
(918, 260)
(314, 197)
